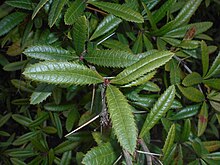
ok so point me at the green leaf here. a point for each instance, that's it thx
(55, 11)
(169, 142)
(22, 4)
(214, 156)
(16, 161)
(21, 119)
(66, 158)
(182, 30)
(203, 119)
(185, 131)
(58, 124)
(51, 156)
(58, 108)
(138, 44)
(212, 145)
(115, 44)
(47, 52)
(215, 68)
(25, 138)
(65, 146)
(38, 7)
(40, 119)
(49, 130)
(186, 13)
(4, 119)
(143, 66)
(122, 118)
(79, 34)
(74, 11)
(107, 24)
(192, 94)
(161, 12)
(41, 93)
(121, 11)
(193, 78)
(10, 21)
(213, 83)
(159, 109)
(103, 154)
(72, 118)
(147, 43)
(111, 58)
(186, 112)
(57, 95)
(143, 80)
(24, 153)
(65, 73)
(21, 85)
(13, 66)
(205, 57)
(174, 72)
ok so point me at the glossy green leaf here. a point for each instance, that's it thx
(111, 58)
(25, 138)
(189, 44)
(185, 131)
(212, 146)
(79, 34)
(40, 119)
(186, 13)
(58, 108)
(161, 12)
(47, 52)
(142, 67)
(115, 44)
(16, 161)
(186, 112)
(214, 156)
(191, 79)
(72, 118)
(122, 118)
(65, 73)
(4, 119)
(102, 154)
(74, 11)
(107, 24)
(65, 146)
(147, 43)
(215, 68)
(66, 157)
(182, 30)
(38, 7)
(22, 4)
(192, 94)
(13, 66)
(169, 142)
(205, 57)
(203, 119)
(159, 109)
(21, 119)
(24, 153)
(58, 125)
(213, 83)
(10, 21)
(174, 72)
(55, 11)
(121, 11)
(41, 93)
(138, 44)
(144, 80)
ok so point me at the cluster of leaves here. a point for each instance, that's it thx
(139, 66)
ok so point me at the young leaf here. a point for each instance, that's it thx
(121, 11)
(79, 34)
(10, 21)
(122, 118)
(62, 73)
(107, 24)
(41, 93)
(192, 94)
(169, 142)
(103, 154)
(47, 52)
(56, 8)
(203, 119)
(193, 78)
(22, 4)
(159, 109)
(213, 83)
(187, 11)
(212, 146)
(142, 67)
(215, 68)
(111, 58)
(186, 112)
(38, 7)
(205, 57)
(74, 11)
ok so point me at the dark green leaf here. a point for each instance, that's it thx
(66, 158)
(72, 118)
(185, 130)
(38, 7)
(22, 4)
(25, 138)
(58, 125)
(213, 83)
(21, 119)
(65, 146)
(193, 78)
(4, 119)
(58, 108)
(40, 119)
(174, 72)
(13, 66)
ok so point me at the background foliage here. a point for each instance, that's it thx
(117, 82)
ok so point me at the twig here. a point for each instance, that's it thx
(117, 160)
(105, 38)
(148, 153)
(94, 9)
